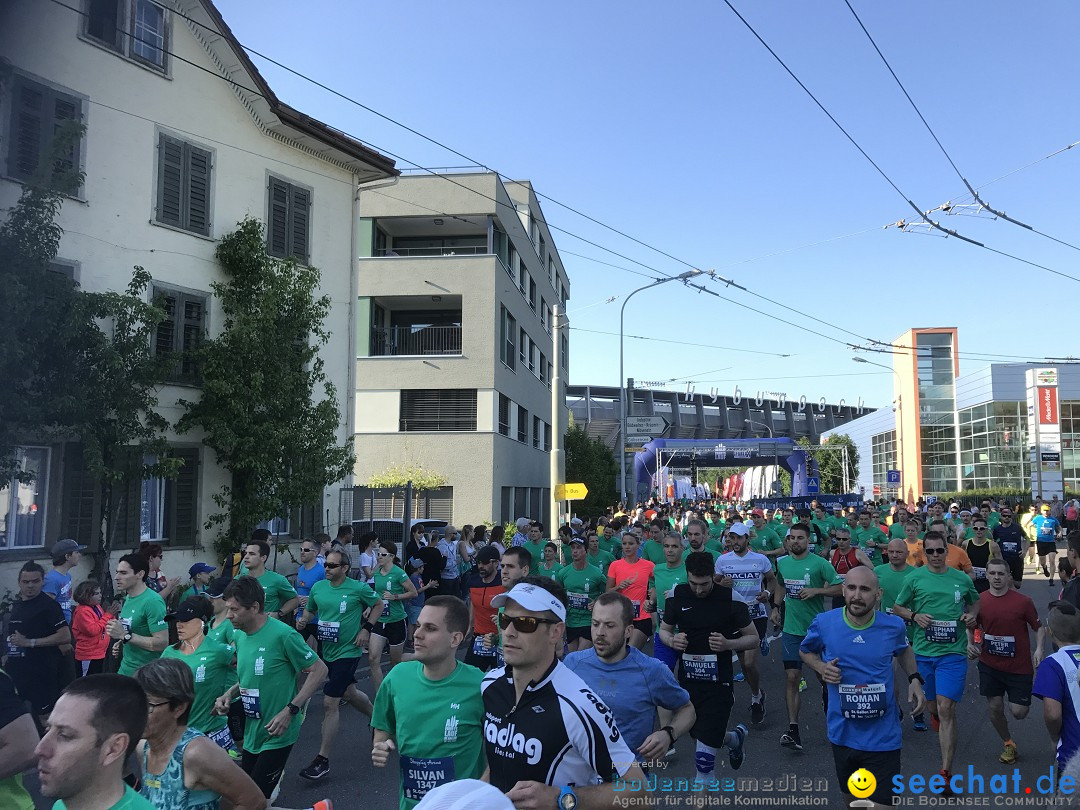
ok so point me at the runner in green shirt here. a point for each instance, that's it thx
(395, 587)
(610, 542)
(896, 529)
(596, 557)
(220, 628)
(870, 538)
(697, 534)
(807, 579)
(340, 603)
(269, 657)
(140, 631)
(666, 576)
(430, 710)
(281, 597)
(764, 539)
(201, 574)
(549, 563)
(535, 545)
(653, 548)
(583, 584)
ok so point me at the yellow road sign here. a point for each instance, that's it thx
(570, 492)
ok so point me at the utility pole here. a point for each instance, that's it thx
(556, 462)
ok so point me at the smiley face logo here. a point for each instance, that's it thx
(861, 783)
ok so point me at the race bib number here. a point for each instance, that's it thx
(481, 648)
(864, 701)
(223, 738)
(385, 610)
(756, 609)
(1004, 646)
(1010, 547)
(842, 578)
(418, 776)
(126, 623)
(577, 601)
(700, 668)
(1046, 529)
(793, 589)
(250, 700)
(980, 573)
(14, 651)
(941, 632)
(329, 631)
(637, 609)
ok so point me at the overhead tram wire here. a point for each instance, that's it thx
(679, 342)
(972, 191)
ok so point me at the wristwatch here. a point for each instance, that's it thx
(915, 676)
(127, 636)
(567, 798)
(293, 708)
(671, 733)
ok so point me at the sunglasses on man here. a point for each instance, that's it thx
(523, 624)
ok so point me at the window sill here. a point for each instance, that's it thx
(79, 199)
(142, 64)
(185, 231)
(412, 357)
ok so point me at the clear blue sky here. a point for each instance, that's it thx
(673, 124)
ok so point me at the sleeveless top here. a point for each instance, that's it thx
(844, 562)
(166, 790)
(979, 556)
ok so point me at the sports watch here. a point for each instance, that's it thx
(567, 798)
(293, 708)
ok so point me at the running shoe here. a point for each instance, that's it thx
(318, 769)
(802, 684)
(757, 710)
(791, 739)
(1045, 570)
(919, 721)
(766, 643)
(735, 746)
(740, 677)
(934, 722)
(946, 790)
(1008, 754)
(324, 804)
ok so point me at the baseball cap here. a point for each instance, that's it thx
(487, 554)
(66, 547)
(465, 794)
(575, 521)
(216, 589)
(194, 608)
(577, 538)
(201, 568)
(531, 597)
(741, 529)
(757, 513)
(416, 562)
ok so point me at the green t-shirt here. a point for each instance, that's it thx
(864, 537)
(717, 529)
(278, 590)
(212, 666)
(714, 545)
(600, 560)
(549, 571)
(825, 525)
(142, 615)
(267, 663)
(891, 583)
(612, 546)
(765, 539)
(665, 579)
(392, 581)
(653, 552)
(809, 572)
(190, 593)
(944, 596)
(897, 530)
(341, 613)
(688, 551)
(537, 552)
(437, 726)
(222, 632)
(129, 801)
(582, 587)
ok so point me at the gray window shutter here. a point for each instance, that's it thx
(183, 505)
(197, 162)
(127, 507)
(278, 230)
(27, 128)
(79, 506)
(300, 216)
(170, 209)
(165, 339)
(66, 109)
(192, 326)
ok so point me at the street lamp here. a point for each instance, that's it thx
(899, 413)
(624, 406)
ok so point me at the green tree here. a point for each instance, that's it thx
(589, 462)
(830, 462)
(267, 408)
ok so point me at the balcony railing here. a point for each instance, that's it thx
(457, 250)
(424, 341)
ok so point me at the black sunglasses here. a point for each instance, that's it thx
(523, 624)
(332, 565)
(933, 551)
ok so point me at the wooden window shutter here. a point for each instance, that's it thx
(27, 129)
(80, 499)
(192, 320)
(277, 232)
(170, 209)
(183, 506)
(197, 162)
(127, 506)
(300, 217)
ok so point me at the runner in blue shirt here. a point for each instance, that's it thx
(1046, 532)
(311, 570)
(1056, 681)
(852, 651)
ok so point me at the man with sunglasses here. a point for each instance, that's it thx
(941, 601)
(550, 741)
(1012, 542)
(309, 572)
(980, 551)
(340, 604)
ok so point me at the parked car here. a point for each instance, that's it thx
(391, 529)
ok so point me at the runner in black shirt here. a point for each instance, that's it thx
(37, 629)
(711, 625)
(1013, 544)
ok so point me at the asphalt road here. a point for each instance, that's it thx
(806, 778)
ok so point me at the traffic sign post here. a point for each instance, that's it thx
(571, 492)
(892, 478)
(645, 425)
(813, 485)
(637, 441)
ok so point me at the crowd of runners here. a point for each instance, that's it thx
(542, 669)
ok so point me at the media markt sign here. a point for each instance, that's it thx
(1044, 433)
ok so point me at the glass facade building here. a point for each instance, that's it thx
(936, 379)
(883, 457)
(993, 446)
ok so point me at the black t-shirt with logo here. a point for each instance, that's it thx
(698, 617)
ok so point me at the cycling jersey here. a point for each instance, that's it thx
(747, 578)
(559, 733)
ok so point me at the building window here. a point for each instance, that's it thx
(544, 314)
(542, 250)
(506, 503)
(564, 360)
(288, 226)
(182, 331)
(523, 278)
(152, 506)
(542, 365)
(523, 347)
(523, 425)
(536, 434)
(183, 197)
(104, 23)
(508, 351)
(553, 274)
(504, 414)
(547, 436)
(533, 351)
(148, 42)
(22, 505)
(532, 293)
(37, 114)
(429, 410)
(276, 526)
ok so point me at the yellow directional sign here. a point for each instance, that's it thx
(570, 492)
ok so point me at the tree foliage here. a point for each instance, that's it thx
(398, 475)
(831, 462)
(267, 408)
(589, 462)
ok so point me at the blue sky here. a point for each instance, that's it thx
(671, 123)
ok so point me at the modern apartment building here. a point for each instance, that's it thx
(183, 139)
(455, 343)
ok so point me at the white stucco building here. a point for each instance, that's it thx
(183, 139)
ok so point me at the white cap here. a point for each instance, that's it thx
(741, 529)
(465, 794)
(575, 521)
(531, 597)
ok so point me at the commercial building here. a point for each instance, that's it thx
(455, 351)
(948, 433)
(183, 139)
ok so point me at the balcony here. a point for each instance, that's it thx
(415, 341)
(433, 250)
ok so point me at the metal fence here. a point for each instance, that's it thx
(371, 503)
